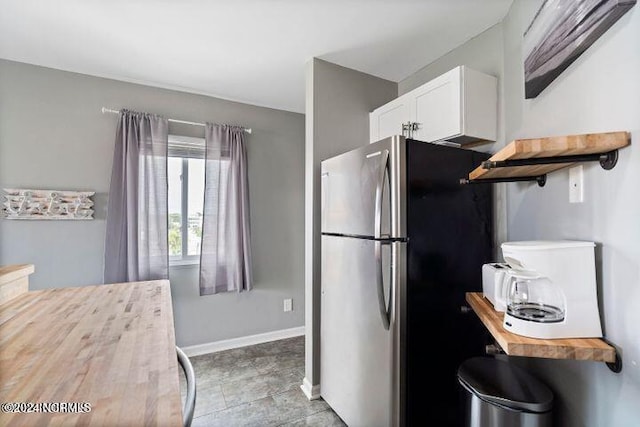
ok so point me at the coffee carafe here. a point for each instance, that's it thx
(534, 298)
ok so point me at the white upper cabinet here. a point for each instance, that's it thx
(388, 119)
(459, 106)
(437, 107)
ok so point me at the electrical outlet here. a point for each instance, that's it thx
(576, 184)
(288, 304)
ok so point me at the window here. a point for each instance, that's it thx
(185, 171)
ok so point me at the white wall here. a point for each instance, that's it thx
(599, 92)
(338, 102)
(52, 135)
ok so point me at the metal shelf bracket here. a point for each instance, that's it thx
(607, 160)
(540, 179)
(615, 366)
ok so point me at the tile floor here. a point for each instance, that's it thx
(256, 386)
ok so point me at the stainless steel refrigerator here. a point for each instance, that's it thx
(402, 241)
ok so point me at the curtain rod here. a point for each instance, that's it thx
(106, 110)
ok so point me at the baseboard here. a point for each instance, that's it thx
(311, 391)
(212, 347)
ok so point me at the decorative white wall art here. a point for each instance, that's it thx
(47, 204)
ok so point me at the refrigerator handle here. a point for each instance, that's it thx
(384, 164)
(377, 233)
(393, 287)
(384, 312)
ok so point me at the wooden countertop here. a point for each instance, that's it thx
(516, 345)
(112, 346)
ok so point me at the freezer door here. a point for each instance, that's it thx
(363, 191)
(359, 370)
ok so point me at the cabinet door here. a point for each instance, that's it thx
(387, 120)
(436, 107)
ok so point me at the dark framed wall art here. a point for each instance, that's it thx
(560, 32)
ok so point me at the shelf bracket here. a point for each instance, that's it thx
(493, 349)
(540, 179)
(607, 160)
(615, 366)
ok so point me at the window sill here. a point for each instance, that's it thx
(184, 263)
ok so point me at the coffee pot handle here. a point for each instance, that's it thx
(505, 282)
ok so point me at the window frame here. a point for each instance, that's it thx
(184, 259)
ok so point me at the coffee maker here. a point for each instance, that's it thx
(550, 289)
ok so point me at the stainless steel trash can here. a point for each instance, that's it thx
(499, 394)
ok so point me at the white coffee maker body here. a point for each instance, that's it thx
(569, 265)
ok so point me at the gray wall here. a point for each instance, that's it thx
(52, 135)
(338, 102)
(484, 53)
(600, 92)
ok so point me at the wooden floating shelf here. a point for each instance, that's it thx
(515, 345)
(547, 152)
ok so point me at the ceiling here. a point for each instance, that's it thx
(252, 51)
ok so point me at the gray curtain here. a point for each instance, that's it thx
(136, 240)
(225, 258)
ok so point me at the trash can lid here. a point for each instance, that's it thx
(503, 384)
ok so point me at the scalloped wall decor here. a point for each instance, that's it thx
(47, 204)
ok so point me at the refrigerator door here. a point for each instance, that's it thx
(449, 227)
(359, 375)
(362, 191)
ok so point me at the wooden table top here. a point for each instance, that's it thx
(111, 346)
(9, 273)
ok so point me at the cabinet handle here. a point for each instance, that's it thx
(408, 129)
